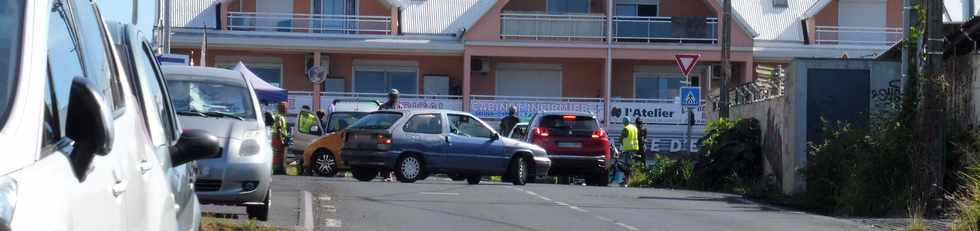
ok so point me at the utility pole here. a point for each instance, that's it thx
(931, 116)
(726, 55)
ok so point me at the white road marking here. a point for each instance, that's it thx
(620, 224)
(325, 198)
(576, 208)
(439, 193)
(333, 223)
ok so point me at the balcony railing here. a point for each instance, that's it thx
(552, 27)
(665, 29)
(848, 35)
(309, 23)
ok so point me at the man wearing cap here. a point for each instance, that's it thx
(392, 102)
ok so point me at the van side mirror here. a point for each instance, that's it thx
(194, 144)
(89, 124)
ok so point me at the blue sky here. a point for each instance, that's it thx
(122, 11)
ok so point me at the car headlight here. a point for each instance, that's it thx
(249, 147)
(8, 199)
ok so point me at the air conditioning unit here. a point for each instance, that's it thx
(480, 65)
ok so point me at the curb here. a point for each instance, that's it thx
(306, 211)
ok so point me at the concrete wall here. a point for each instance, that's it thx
(964, 93)
(774, 117)
(783, 119)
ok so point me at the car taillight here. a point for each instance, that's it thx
(382, 139)
(542, 132)
(599, 134)
(568, 117)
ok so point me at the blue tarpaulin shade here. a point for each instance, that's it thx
(267, 93)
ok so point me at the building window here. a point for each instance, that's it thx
(568, 6)
(656, 86)
(380, 80)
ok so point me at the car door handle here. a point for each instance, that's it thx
(145, 167)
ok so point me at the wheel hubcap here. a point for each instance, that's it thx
(325, 163)
(410, 167)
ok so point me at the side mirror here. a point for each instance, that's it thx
(194, 145)
(89, 124)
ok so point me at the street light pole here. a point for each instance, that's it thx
(726, 55)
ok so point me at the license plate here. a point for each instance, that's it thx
(569, 145)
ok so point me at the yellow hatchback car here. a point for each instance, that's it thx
(322, 156)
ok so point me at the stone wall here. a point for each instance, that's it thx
(963, 93)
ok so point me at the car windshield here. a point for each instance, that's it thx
(382, 120)
(569, 125)
(11, 14)
(341, 120)
(211, 98)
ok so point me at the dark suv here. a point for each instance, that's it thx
(575, 142)
(418, 142)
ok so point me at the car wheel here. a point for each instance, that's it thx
(324, 163)
(564, 180)
(260, 212)
(518, 171)
(474, 179)
(457, 177)
(363, 174)
(408, 168)
(599, 179)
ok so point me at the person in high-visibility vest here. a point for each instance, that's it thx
(280, 138)
(305, 120)
(630, 146)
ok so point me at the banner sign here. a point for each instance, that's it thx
(497, 109)
(297, 101)
(654, 113)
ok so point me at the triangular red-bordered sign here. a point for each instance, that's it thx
(686, 62)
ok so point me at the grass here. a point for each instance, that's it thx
(967, 203)
(220, 224)
(916, 222)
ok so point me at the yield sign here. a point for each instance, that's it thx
(686, 62)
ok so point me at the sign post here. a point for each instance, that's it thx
(686, 63)
(316, 76)
(690, 99)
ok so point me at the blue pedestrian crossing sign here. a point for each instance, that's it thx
(690, 96)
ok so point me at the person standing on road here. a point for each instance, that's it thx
(509, 121)
(641, 139)
(280, 138)
(392, 102)
(629, 141)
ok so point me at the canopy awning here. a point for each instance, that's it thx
(267, 93)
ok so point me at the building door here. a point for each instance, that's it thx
(278, 19)
(829, 100)
(862, 13)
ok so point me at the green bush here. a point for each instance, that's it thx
(639, 177)
(669, 173)
(859, 171)
(730, 157)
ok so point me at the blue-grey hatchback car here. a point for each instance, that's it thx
(417, 142)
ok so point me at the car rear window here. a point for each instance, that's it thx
(569, 125)
(380, 120)
(11, 14)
